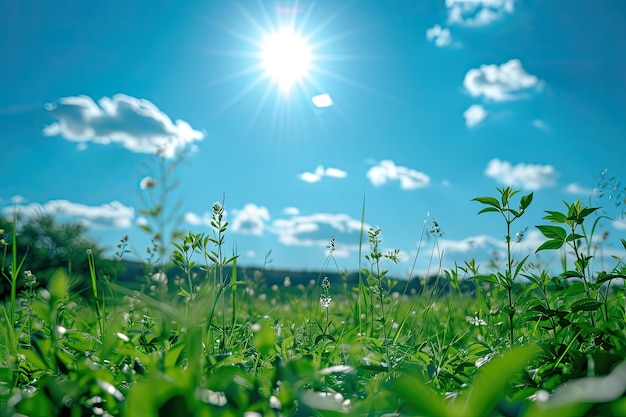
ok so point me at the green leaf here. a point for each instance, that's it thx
(486, 278)
(422, 399)
(603, 277)
(264, 337)
(520, 265)
(525, 201)
(145, 227)
(58, 285)
(493, 382)
(570, 274)
(489, 209)
(575, 289)
(573, 236)
(586, 304)
(555, 217)
(586, 211)
(490, 201)
(553, 232)
(550, 244)
(577, 396)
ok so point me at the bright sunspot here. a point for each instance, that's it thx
(286, 58)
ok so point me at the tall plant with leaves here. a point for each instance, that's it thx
(211, 249)
(376, 287)
(569, 235)
(574, 236)
(506, 279)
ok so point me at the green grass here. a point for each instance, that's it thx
(525, 342)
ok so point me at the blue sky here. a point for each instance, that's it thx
(433, 103)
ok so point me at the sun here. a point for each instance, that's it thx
(286, 58)
(290, 58)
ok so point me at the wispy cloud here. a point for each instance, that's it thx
(439, 36)
(250, 220)
(478, 12)
(321, 172)
(474, 115)
(508, 81)
(387, 170)
(528, 176)
(540, 124)
(113, 215)
(136, 124)
(467, 245)
(576, 189)
(619, 224)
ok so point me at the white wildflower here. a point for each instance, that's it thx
(147, 183)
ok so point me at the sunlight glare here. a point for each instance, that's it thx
(286, 58)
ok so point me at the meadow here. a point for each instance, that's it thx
(213, 340)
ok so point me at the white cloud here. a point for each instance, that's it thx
(198, 220)
(136, 124)
(528, 176)
(474, 115)
(387, 170)
(307, 230)
(531, 240)
(508, 81)
(335, 173)
(540, 124)
(113, 215)
(250, 220)
(291, 211)
(478, 12)
(321, 172)
(466, 245)
(440, 36)
(322, 100)
(619, 224)
(576, 189)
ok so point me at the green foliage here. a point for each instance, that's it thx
(507, 279)
(526, 343)
(46, 245)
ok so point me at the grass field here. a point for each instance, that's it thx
(523, 342)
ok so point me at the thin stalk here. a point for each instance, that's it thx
(94, 288)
